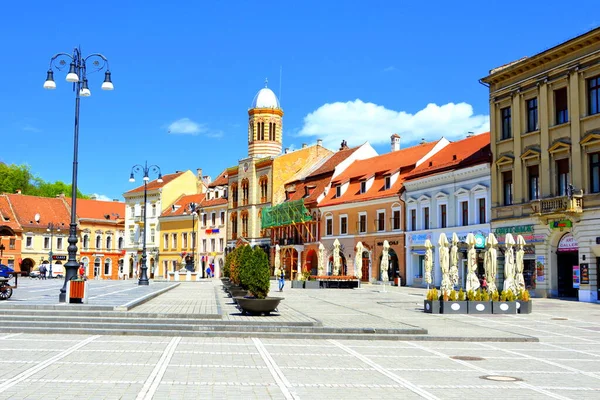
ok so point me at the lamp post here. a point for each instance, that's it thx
(77, 75)
(193, 207)
(145, 169)
(52, 227)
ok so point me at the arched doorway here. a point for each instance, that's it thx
(289, 262)
(86, 262)
(393, 266)
(366, 257)
(312, 262)
(567, 259)
(27, 265)
(343, 265)
(152, 265)
(97, 264)
(131, 268)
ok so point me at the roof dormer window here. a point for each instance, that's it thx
(363, 186)
(388, 182)
(338, 191)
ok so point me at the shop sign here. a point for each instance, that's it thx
(585, 273)
(575, 276)
(418, 239)
(540, 263)
(63, 258)
(479, 241)
(391, 242)
(518, 230)
(561, 224)
(568, 243)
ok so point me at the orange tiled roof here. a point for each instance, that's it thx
(7, 216)
(51, 209)
(221, 180)
(333, 161)
(97, 209)
(384, 163)
(460, 154)
(152, 185)
(181, 205)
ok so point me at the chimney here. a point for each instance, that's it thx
(115, 199)
(199, 173)
(93, 197)
(304, 145)
(470, 134)
(287, 150)
(18, 191)
(320, 142)
(395, 142)
(422, 141)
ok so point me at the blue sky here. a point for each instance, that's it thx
(351, 70)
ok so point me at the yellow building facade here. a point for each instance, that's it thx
(545, 140)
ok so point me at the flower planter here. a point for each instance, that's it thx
(431, 306)
(238, 292)
(524, 307)
(504, 307)
(254, 306)
(312, 285)
(480, 307)
(453, 307)
(297, 284)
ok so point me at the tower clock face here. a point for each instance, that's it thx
(246, 167)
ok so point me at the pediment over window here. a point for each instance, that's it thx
(461, 192)
(424, 198)
(441, 195)
(411, 200)
(591, 138)
(560, 145)
(531, 152)
(505, 159)
(478, 188)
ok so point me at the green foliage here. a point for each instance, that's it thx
(485, 295)
(19, 177)
(470, 295)
(432, 294)
(257, 276)
(227, 266)
(305, 276)
(461, 295)
(524, 295)
(453, 295)
(244, 265)
(508, 295)
(477, 295)
(234, 271)
(495, 296)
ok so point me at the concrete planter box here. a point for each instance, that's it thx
(253, 306)
(504, 307)
(312, 285)
(297, 284)
(431, 306)
(524, 307)
(453, 307)
(480, 307)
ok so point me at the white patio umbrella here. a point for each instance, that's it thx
(385, 261)
(277, 261)
(428, 262)
(509, 264)
(358, 261)
(519, 280)
(321, 261)
(337, 261)
(444, 259)
(454, 260)
(490, 263)
(472, 280)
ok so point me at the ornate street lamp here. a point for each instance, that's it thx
(78, 68)
(52, 227)
(195, 210)
(145, 169)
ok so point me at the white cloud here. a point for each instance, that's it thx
(100, 197)
(185, 126)
(358, 122)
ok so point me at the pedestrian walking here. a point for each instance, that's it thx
(484, 284)
(81, 271)
(43, 271)
(281, 280)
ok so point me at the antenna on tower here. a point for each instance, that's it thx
(280, 73)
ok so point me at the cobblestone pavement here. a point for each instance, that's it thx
(564, 364)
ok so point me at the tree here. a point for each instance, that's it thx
(244, 263)
(258, 276)
(19, 177)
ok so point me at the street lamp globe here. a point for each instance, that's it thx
(107, 84)
(50, 84)
(85, 91)
(72, 75)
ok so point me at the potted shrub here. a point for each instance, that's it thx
(456, 303)
(299, 284)
(505, 304)
(479, 302)
(311, 282)
(257, 278)
(432, 304)
(524, 302)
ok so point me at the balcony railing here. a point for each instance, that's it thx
(290, 241)
(555, 205)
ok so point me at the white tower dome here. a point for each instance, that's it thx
(265, 98)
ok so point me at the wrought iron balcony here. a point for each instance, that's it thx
(557, 205)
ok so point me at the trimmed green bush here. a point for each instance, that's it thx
(234, 270)
(257, 277)
(244, 265)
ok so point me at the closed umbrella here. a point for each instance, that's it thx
(509, 264)
(472, 280)
(321, 261)
(428, 262)
(277, 261)
(454, 260)
(520, 281)
(491, 262)
(385, 261)
(444, 259)
(358, 261)
(337, 262)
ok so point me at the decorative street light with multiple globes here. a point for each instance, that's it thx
(77, 75)
(145, 169)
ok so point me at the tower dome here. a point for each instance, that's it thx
(265, 98)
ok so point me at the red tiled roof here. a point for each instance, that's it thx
(221, 180)
(213, 202)
(51, 209)
(460, 154)
(7, 216)
(155, 184)
(333, 161)
(383, 163)
(97, 209)
(316, 188)
(181, 205)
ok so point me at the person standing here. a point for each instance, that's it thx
(81, 271)
(281, 280)
(43, 271)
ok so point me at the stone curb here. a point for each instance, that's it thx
(143, 299)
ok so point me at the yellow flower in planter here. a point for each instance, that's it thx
(461, 295)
